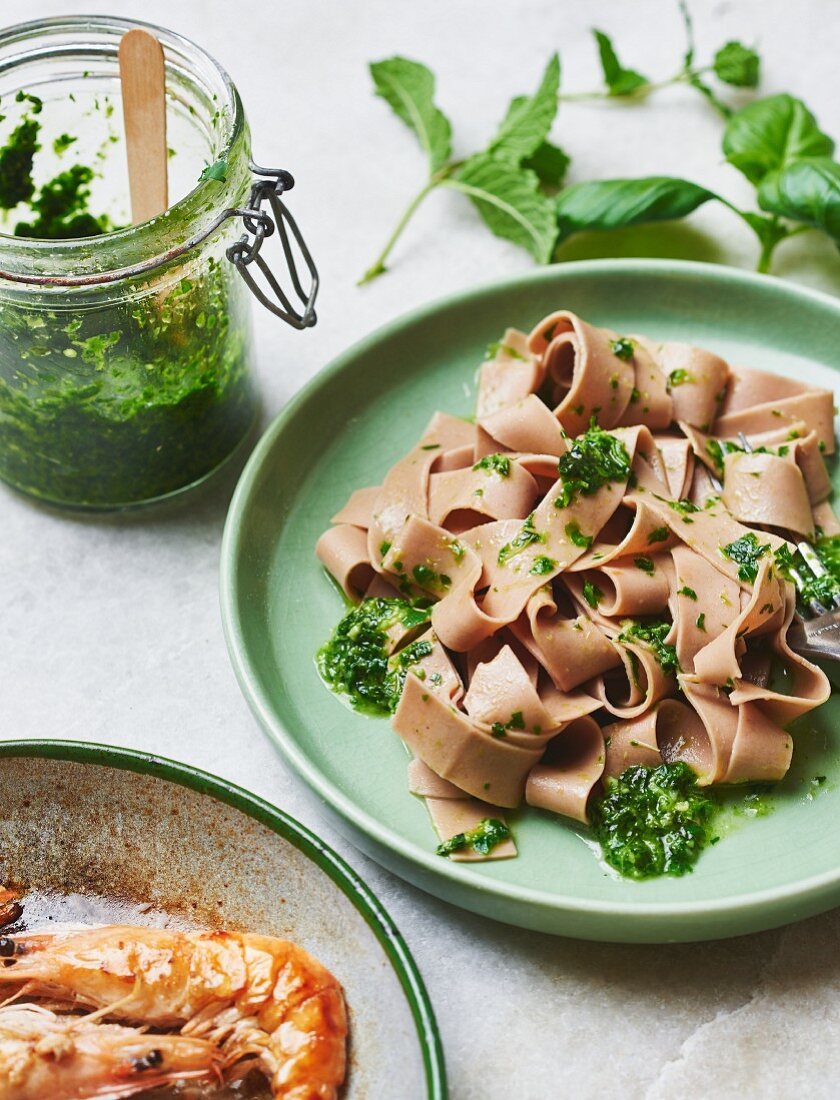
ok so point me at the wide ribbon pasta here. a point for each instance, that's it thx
(596, 602)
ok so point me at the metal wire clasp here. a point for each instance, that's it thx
(259, 224)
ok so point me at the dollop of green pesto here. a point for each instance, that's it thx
(594, 459)
(482, 839)
(356, 660)
(653, 821)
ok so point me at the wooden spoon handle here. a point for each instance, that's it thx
(143, 79)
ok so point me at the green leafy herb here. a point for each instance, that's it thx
(623, 348)
(592, 594)
(688, 592)
(645, 564)
(505, 180)
(737, 65)
(683, 507)
(613, 204)
(806, 191)
(653, 635)
(62, 143)
(700, 621)
(717, 449)
(216, 171)
(653, 821)
(658, 534)
(496, 463)
(409, 88)
(772, 133)
(619, 81)
(482, 839)
(576, 536)
(594, 459)
(746, 551)
(543, 565)
(526, 537)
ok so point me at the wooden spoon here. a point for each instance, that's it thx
(143, 79)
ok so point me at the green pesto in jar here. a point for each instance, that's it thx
(118, 399)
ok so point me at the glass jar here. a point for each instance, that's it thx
(125, 356)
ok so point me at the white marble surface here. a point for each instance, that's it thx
(110, 630)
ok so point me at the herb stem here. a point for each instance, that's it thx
(378, 267)
(682, 77)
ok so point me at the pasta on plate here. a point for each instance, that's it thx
(596, 600)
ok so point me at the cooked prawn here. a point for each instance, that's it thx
(252, 995)
(74, 1058)
(10, 907)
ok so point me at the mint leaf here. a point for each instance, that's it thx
(768, 135)
(806, 191)
(528, 118)
(619, 80)
(611, 204)
(510, 202)
(217, 171)
(550, 164)
(409, 88)
(737, 65)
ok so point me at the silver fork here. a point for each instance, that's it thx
(819, 635)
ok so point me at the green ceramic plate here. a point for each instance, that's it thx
(344, 430)
(99, 835)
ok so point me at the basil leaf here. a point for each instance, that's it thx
(611, 204)
(771, 133)
(806, 191)
(528, 118)
(510, 202)
(409, 88)
(619, 80)
(737, 65)
(550, 164)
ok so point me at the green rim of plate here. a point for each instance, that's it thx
(805, 897)
(386, 932)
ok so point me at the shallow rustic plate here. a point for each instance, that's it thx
(98, 834)
(344, 430)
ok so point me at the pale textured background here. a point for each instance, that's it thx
(109, 630)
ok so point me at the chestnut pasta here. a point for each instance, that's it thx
(595, 599)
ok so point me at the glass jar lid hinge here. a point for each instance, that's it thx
(260, 224)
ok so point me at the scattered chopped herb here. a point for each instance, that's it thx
(634, 396)
(622, 348)
(499, 346)
(576, 536)
(430, 447)
(658, 534)
(746, 551)
(595, 458)
(653, 635)
(496, 463)
(717, 449)
(653, 821)
(427, 577)
(592, 594)
(526, 537)
(686, 591)
(645, 564)
(683, 507)
(700, 621)
(384, 547)
(458, 549)
(679, 377)
(482, 839)
(543, 565)
(216, 171)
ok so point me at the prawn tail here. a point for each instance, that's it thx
(307, 1050)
